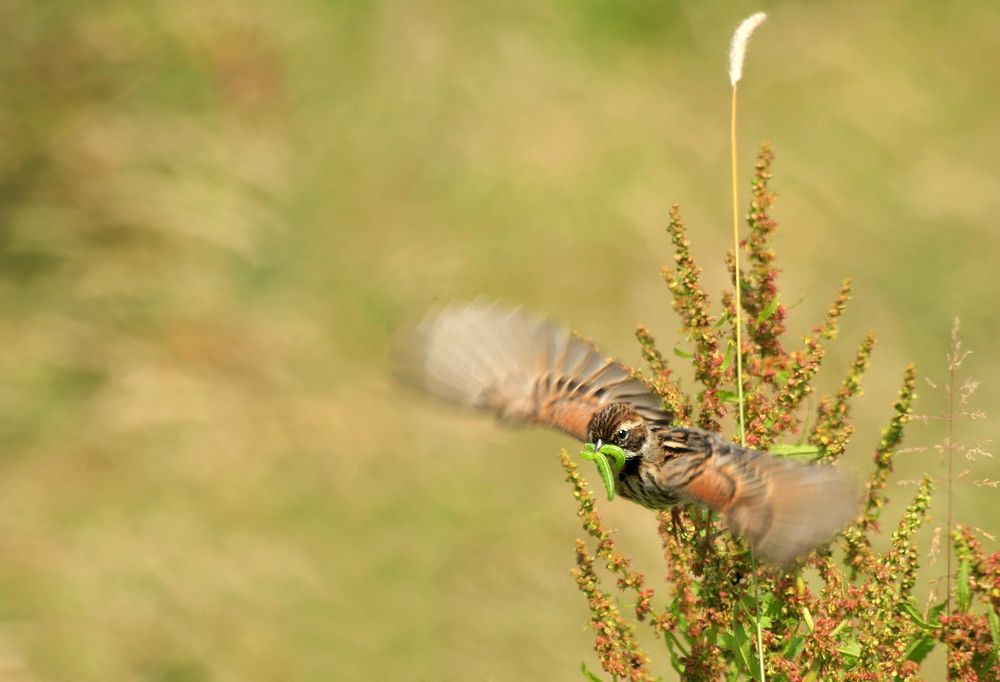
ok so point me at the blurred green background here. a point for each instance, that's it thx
(214, 215)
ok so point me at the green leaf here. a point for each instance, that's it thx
(673, 645)
(796, 451)
(782, 376)
(769, 309)
(750, 606)
(728, 396)
(589, 675)
(808, 618)
(934, 615)
(681, 354)
(918, 617)
(962, 589)
(729, 357)
(722, 319)
(919, 648)
(793, 648)
(851, 649)
(743, 653)
(994, 620)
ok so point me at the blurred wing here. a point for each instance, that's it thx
(784, 507)
(523, 368)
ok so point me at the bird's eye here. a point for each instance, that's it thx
(621, 435)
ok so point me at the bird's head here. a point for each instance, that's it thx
(619, 425)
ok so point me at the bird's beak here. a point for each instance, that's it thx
(597, 445)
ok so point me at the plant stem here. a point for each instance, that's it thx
(949, 452)
(736, 272)
(739, 363)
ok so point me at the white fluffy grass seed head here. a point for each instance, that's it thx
(738, 47)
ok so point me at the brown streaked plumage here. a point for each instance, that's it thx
(528, 370)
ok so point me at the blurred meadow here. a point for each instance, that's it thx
(215, 214)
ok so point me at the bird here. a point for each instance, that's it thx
(527, 369)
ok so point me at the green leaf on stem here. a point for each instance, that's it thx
(589, 675)
(729, 356)
(919, 648)
(768, 311)
(962, 589)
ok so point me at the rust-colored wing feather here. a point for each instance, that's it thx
(783, 506)
(524, 368)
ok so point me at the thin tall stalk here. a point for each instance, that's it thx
(949, 450)
(955, 357)
(737, 51)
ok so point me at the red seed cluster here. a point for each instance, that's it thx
(861, 621)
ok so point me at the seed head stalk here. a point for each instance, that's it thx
(737, 51)
(955, 357)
